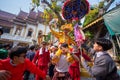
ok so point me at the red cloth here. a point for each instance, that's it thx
(86, 56)
(74, 68)
(42, 61)
(44, 69)
(18, 70)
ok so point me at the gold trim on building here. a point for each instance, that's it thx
(93, 22)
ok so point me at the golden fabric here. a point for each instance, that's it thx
(67, 27)
(62, 37)
(84, 73)
(55, 59)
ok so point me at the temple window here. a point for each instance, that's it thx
(18, 31)
(30, 31)
(40, 33)
(6, 30)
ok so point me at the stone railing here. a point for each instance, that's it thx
(16, 38)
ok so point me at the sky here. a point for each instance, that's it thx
(14, 6)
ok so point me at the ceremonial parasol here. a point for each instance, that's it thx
(75, 9)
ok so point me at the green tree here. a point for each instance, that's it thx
(95, 11)
(52, 10)
(91, 16)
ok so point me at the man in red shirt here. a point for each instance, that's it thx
(42, 58)
(17, 64)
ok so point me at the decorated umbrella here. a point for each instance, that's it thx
(75, 9)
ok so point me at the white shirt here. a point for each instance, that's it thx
(99, 53)
(62, 65)
(51, 55)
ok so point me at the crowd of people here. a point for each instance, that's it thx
(57, 62)
(21, 62)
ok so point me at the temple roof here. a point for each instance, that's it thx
(6, 23)
(6, 19)
(22, 18)
(32, 15)
(6, 15)
(32, 18)
(22, 15)
(99, 19)
(93, 23)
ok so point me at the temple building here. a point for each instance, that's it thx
(22, 29)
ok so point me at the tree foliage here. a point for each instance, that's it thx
(52, 10)
(36, 2)
(47, 15)
(101, 4)
(89, 34)
(95, 11)
(91, 16)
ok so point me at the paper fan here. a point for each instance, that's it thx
(75, 9)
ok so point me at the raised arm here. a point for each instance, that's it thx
(98, 69)
(71, 41)
(34, 69)
(86, 57)
(55, 33)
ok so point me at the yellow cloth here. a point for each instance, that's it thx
(69, 58)
(67, 27)
(62, 37)
(84, 73)
(56, 57)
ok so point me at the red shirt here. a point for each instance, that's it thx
(17, 71)
(76, 63)
(42, 59)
